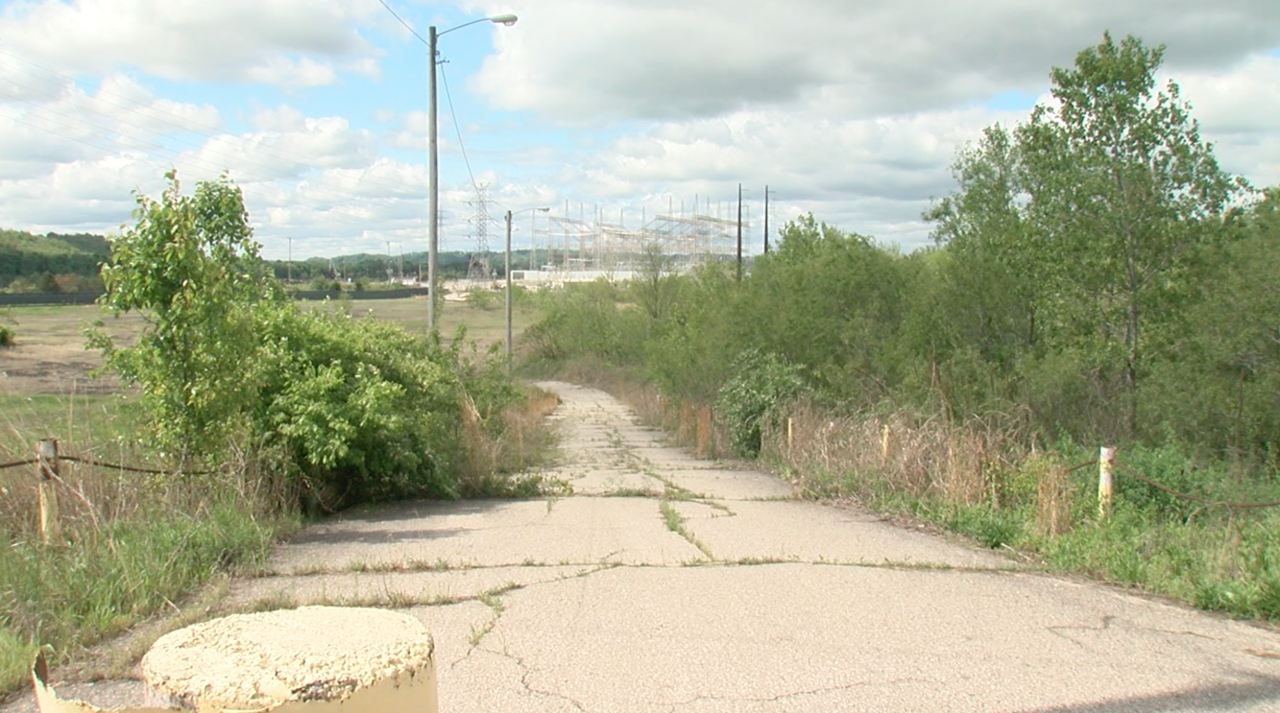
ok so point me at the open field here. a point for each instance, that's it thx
(49, 355)
(46, 383)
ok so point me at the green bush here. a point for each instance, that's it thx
(364, 410)
(485, 299)
(587, 320)
(359, 410)
(759, 385)
(6, 336)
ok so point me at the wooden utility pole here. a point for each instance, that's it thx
(766, 219)
(739, 232)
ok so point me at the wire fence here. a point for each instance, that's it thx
(1207, 502)
(101, 464)
(49, 482)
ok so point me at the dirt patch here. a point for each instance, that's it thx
(52, 369)
(49, 355)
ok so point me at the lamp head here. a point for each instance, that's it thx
(507, 19)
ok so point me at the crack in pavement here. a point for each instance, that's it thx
(492, 598)
(1058, 629)
(795, 694)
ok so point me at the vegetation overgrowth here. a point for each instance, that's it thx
(249, 410)
(1097, 280)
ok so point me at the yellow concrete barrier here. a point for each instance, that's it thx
(307, 660)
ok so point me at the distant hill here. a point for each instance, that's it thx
(25, 255)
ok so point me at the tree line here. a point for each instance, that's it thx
(73, 262)
(1095, 273)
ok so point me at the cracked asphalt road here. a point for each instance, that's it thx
(664, 583)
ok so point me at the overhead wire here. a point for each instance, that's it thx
(449, 96)
(458, 129)
(407, 26)
(247, 163)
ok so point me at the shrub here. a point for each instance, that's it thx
(364, 410)
(759, 384)
(358, 410)
(6, 336)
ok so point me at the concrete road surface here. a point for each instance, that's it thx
(668, 584)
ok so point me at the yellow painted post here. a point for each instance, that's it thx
(47, 455)
(884, 445)
(1106, 460)
(790, 432)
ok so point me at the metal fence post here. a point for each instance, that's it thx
(47, 463)
(1106, 460)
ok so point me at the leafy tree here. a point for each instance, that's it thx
(656, 285)
(1090, 226)
(190, 266)
(995, 261)
(1122, 190)
(1223, 388)
(831, 301)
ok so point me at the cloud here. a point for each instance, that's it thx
(63, 122)
(287, 72)
(593, 61)
(272, 41)
(852, 111)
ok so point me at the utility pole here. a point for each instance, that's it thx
(433, 173)
(739, 232)
(507, 299)
(766, 218)
(433, 148)
(289, 267)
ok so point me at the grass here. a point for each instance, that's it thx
(675, 523)
(979, 482)
(103, 581)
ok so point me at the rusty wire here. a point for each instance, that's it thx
(15, 464)
(100, 464)
(1166, 489)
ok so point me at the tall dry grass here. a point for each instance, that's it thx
(921, 456)
(691, 424)
(503, 456)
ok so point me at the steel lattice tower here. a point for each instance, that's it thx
(478, 268)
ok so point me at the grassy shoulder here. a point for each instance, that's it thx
(103, 581)
(136, 546)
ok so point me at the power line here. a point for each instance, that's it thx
(407, 26)
(458, 129)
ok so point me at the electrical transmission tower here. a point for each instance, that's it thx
(478, 268)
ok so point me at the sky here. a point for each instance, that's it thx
(851, 110)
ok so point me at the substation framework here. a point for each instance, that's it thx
(576, 249)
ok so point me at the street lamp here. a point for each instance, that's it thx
(508, 266)
(433, 206)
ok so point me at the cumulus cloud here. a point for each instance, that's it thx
(852, 111)
(274, 41)
(585, 61)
